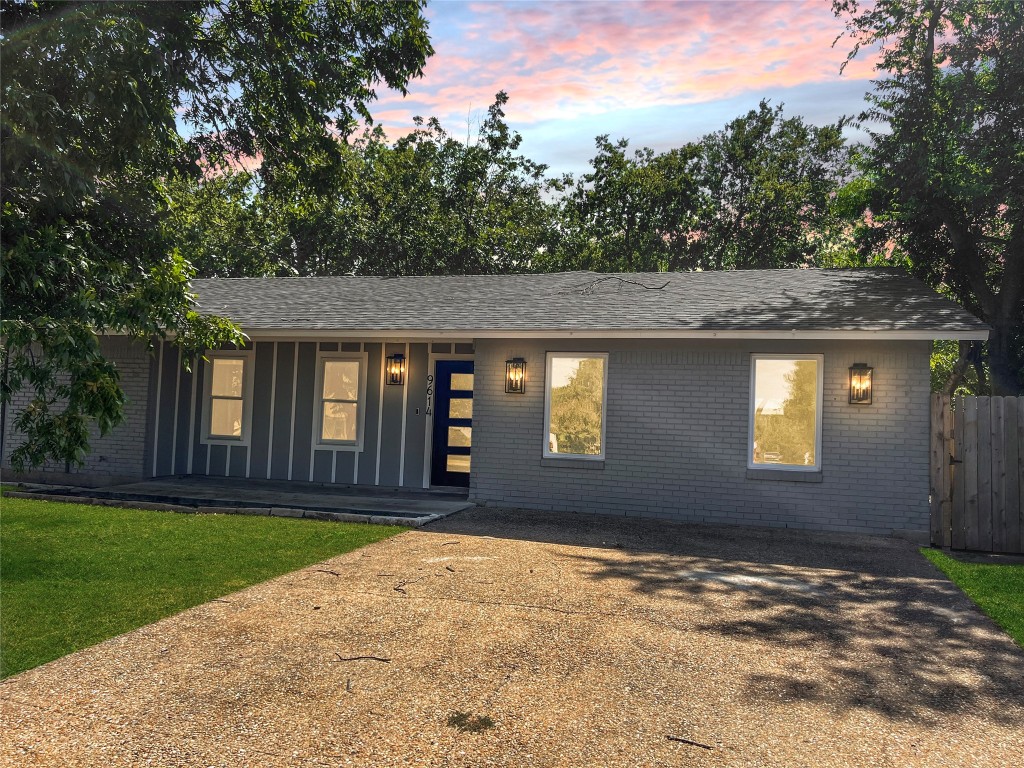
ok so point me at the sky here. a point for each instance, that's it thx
(659, 73)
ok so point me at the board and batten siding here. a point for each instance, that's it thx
(283, 418)
(677, 437)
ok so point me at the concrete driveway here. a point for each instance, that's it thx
(586, 641)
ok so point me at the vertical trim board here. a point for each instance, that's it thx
(291, 430)
(156, 418)
(192, 415)
(367, 463)
(201, 453)
(273, 405)
(174, 423)
(405, 415)
(380, 412)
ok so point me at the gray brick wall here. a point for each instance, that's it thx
(121, 453)
(677, 431)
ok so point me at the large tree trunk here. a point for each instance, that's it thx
(1001, 369)
(959, 368)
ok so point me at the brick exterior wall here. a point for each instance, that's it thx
(677, 433)
(120, 455)
(676, 436)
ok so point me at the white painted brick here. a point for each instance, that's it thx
(677, 437)
(121, 452)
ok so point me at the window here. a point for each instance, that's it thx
(341, 387)
(574, 405)
(785, 412)
(227, 410)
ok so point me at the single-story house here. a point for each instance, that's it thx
(796, 398)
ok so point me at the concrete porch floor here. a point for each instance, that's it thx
(269, 497)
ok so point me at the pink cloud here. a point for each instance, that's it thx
(568, 60)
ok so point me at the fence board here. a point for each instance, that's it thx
(984, 458)
(947, 471)
(998, 475)
(937, 489)
(1020, 470)
(969, 441)
(959, 525)
(1012, 500)
(978, 498)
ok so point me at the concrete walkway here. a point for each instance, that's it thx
(269, 497)
(567, 641)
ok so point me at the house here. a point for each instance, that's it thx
(794, 398)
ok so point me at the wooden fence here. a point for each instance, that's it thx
(977, 473)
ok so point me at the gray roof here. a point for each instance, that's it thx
(792, 301)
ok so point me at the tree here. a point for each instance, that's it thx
(757, 194)
(766, 183)
(223, 227)
(431, 204)
(947, 156)
(427, 203)
(576, 410)
(789, 431)
(631, 213)
(92, 97)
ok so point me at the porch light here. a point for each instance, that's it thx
(395, 369)
(860, 384)
(515, 376)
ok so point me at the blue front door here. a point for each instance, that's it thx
(453, 423)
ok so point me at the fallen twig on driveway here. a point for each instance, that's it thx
(681, 740)
(358, 658)
(400, 586)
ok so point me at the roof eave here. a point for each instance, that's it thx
(428, 334)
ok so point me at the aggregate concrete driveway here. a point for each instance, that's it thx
(588, 641)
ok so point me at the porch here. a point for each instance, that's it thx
(196, 494)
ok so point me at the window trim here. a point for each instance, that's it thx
(318, 402)
(818, 416)
(249, 358)
(547, 454)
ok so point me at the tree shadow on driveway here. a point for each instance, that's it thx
(854, 623)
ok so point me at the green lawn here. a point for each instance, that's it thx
(997, 588)
(72, 575)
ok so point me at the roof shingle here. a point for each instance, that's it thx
(820, 300)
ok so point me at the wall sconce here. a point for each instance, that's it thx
(515, 376)
(395, 369)
(860, 384)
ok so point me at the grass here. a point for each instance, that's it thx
(997, 588)
(75, 574)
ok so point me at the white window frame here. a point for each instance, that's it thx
(248, 376)
(549, 357)
(318, 399)
(816, 467)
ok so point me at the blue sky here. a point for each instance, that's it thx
(659, 73)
